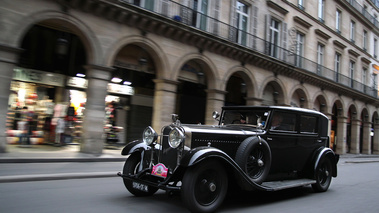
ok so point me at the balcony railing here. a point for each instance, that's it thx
(197, 20)
(364, 12)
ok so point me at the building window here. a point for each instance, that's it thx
(274, 38)
(242, 22)
(337, 66)
(147, 4)
(364, 77)
(365, 37)
(351, 68)
(338, 21)
(320, 58)
(321, 9)
(375, 81)
(200, 12)
(300, 4)
(299, 49)
(352, 31)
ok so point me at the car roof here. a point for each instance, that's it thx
(296, 109)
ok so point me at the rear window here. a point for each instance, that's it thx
(308, 124)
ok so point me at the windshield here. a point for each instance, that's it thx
(253, 117)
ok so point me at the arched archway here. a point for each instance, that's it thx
(133, 78)
(236, 89)
(352, 130)
(273, 94)
(299, 99)
(365, 138)
(46, 79)
(375, 133)
(338, 128)
(191, 93)
(320, 104)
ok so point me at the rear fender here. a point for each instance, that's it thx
(327, 153)
(200, 154)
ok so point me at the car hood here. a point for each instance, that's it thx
(227, 129)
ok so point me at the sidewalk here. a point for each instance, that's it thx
(53, 154)
(17, 155)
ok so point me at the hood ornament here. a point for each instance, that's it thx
(175, 120)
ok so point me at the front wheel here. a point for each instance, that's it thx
(204, 186)
(323, 175)
(130, 168)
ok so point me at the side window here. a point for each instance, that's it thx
(308, 124)
(283, 121)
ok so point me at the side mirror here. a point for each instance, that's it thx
(216, 115)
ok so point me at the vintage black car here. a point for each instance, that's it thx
(254, 147)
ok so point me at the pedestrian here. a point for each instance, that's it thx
(24, 136)
(59, 130)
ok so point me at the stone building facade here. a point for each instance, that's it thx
(191, 57)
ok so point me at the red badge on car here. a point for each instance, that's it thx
(160, 170)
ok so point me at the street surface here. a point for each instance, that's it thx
(354, 190)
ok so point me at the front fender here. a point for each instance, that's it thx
(328, 153)
(199, 154)
(133, 147)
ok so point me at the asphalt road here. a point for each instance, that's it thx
(354, 190)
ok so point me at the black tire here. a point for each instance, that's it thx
(204, 186)
(254, 157)
(323, 175)
(130, 167)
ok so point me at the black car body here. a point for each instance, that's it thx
(253, 147)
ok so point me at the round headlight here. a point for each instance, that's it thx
(149, 135)
(175, 138)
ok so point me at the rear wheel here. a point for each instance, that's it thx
(204, 186)
(323, 175)
(130, 168)
(254, 157)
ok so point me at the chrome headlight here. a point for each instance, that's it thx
(149, 135)
(176, 137)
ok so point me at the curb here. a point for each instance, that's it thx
(61, 176)
(59, 160)
(362, 161)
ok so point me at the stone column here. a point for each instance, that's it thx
(355, 130)
(366, 149)
(376, 138)
(215, 102)
(92, 139)
(164, 102)
(329, 127)
(8, 59)
(341, 135)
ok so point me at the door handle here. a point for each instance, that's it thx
(269, 139)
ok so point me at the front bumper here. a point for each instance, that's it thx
(145, 177)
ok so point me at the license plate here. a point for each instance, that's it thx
(140, 186)
(160, 170)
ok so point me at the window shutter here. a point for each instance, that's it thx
(267, 33)
(233, 22)
(284, 41)
(216, 15)
(255, 26)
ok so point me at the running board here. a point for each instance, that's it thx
(286, 184)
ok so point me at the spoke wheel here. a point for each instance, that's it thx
(323, 175)
(204, 186)
(131, 167)
(254, 157)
